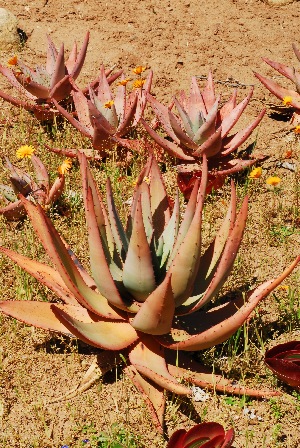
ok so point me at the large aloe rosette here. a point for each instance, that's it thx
(150, 281)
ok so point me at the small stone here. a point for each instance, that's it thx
(9, 37)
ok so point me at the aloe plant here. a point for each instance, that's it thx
(149, 294)
(288, 96)
(204, 435)
(106, 118)
(38, 86)
(37, 191)
(284, 361)
(202, 127)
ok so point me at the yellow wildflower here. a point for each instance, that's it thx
(297, 129)
(138, 83)
(283, 287)
(108, 104)
(12, 61)
(139, 70)
(123, 82)
(287, 100)
(273, 180)
(255, 173)
(65, 166)
(25, 151)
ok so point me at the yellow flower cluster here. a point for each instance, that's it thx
(256, 173)
(138, 83)
(139, 70)
(12, 61)
(108, 104)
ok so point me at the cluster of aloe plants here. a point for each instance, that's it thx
(153, 289)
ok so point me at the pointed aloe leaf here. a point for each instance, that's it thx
(279, 91)
(148, 358)
(126, 123)
(99, 266)
(60, 256)
(196, 104)
(116, 225)
(152, 393)
(143, 98)
(186, 120)
(193, 372)
(81, 106)
(44, 274)
(211, 146)
(51, 56)
(241, 136)
(17, 102)
(75, 70)
(156, 314)
(219, 324)
(281, 68)
(144, 192)
(14, 82)
(230, 120)
(169, 235)
(184, 139)
(13, 211)
(81, 128)
(208, 93)
(109, 335)
(185, 264)
(138, 273)
(39, 91)
(228, 107)
(186, 221)
(99, 115)
(42, 175)
(62, 89)
(226, 262)
(21, 185)
(71, 59)
(162, 113)
(170, 147)
(59, 69)
(208, 128)
(56, 189)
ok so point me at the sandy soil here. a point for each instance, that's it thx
(177, 40)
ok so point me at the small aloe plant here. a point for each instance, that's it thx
(204, 435)
(284, 361)
(288, 96)
(37, 191)
(106, 118)
(39, 86)
(202, 127)
(151, 286)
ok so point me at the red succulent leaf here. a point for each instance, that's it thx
(284, 361)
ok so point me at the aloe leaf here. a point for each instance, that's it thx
(41, 173)
(196, 104)
(185, 264)
(17, 102)
(286, 371)
(51, 56)
(169, 235)
(120, 100)
(127, 122)
(148, 358)
(279, 91)
(152, 393)
(56, 190)
(162, 112)
(156, 314)
(142, 98)
(208, 128)
(21, 185)
(183, 138)
(81, 127)
(44, 274)
(203, 432)
(81, 106)
(281, 68)
(241, 136)
(37, 90)
(103, 89)
(144, 192)
(13, 211)
(138, 273)
(75, 70)
(228, 107)
(217, 325)
(230, 120)
(62, 89)
(59, 69)
(208, 93)
(211, 146)
(60, 256)
(186, 120)
(98, 115)
(109, 335)
(72, 59)
(170, 147)
(116, 225)
(14, 82)
(227, 260)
